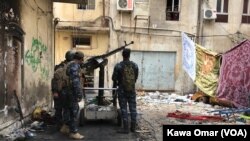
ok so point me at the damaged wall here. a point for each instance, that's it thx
(155, 34)
(38, 52)
(26, 57)
(229, 33)
(70, 12)
(99, 44)
(167, 32)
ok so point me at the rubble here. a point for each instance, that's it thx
(155, 106)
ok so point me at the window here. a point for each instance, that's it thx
(222, 11)
(246, 12)
(86, 5)
(173, 10)
(83, 42)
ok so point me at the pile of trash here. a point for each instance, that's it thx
(40, 119)
(92, 104)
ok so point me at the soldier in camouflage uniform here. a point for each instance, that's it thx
(126, 97)
(75, 94)
(57, 95)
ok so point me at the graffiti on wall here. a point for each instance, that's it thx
(33, 58)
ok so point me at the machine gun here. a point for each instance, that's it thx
(100, 62)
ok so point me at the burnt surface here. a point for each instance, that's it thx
(11, 40)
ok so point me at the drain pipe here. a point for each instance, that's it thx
(103, 13)
(56, 21)
(199, 31)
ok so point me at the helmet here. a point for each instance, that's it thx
(69, 56)
(78, 55)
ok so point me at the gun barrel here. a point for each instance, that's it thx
(93, 63)
(116, 50)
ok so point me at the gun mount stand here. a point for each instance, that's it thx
(101, 83)
(93, 111)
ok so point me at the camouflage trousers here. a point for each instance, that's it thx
(70, 110)
(58, 111)
(70, 116)
(127, 99)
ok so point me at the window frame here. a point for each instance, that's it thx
(246, 12)
(222, 11)
(173, 14)
(82, 45)
(86, 5)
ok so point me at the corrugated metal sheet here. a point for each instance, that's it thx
(156, 70)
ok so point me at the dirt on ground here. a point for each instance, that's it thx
(155, 108)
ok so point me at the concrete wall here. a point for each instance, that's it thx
(37, 59)
(155, 33)
(166, 34)
(64, 42)
(225, 42)
(69, 12)
(38, 51)
(162, 35)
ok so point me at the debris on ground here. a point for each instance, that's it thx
(155, 106)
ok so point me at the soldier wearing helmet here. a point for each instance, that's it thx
(69, 56)
(57, 95)
(75, 94)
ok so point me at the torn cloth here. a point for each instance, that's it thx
(234, 79)
(182, 115)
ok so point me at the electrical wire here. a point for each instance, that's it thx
(43, 12)
(29, 5)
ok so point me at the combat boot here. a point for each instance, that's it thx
(124, 130)
(64, 129)
(76, 136)
(132, 128)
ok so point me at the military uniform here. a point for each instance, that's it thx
(125, 97)
(58, 104)
(58, 100)
(74, 95)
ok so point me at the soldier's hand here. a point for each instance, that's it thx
(55, 95)
(79, 99)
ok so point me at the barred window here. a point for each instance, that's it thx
(83, 42)
(86, 5)
(173, 10)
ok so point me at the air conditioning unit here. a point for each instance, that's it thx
(209, 14)
(125, 5)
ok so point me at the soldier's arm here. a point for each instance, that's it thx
(115, 76)
(54, 89)
(136, 71)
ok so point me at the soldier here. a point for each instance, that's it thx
(57, 94)
(75, 94)
(124, 76)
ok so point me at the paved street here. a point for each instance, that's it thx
(92, 130)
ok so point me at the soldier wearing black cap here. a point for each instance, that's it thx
(124, 76)
(75, 94)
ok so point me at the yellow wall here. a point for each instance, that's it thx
(63, 43)
(69, 12)
(36, 21)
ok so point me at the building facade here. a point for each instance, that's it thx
(155, 27)
(26, 64)
(35, 35)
